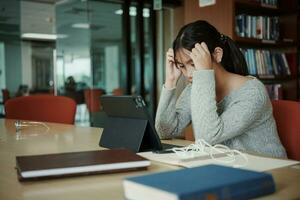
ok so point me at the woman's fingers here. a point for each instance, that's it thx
(170, 55)
(170, 58)
(170, 52)
(204, 47)
(195, 50)
(201, 49)
(198, 47)
(201, 56)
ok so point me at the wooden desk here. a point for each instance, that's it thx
(68, 138)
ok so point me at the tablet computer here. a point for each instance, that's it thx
(129, 125)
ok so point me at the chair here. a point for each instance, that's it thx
(44, 108)
(5, 95)
(287, 117)
(118, 92)
(92, 99)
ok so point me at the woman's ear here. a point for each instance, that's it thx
(218, 54)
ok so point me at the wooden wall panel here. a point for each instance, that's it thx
(222, 19)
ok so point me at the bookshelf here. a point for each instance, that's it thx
(268, 33)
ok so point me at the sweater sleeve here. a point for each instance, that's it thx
(173, 115)
(234, 121)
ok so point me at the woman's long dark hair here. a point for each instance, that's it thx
(201, 31)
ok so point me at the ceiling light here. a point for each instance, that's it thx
(119, 12)
(133, 12)
(81, 25)
(146, 12)
(42, 36)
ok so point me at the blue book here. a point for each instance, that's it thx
(205, 182)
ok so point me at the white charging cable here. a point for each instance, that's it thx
(19, 124)
(219, 153)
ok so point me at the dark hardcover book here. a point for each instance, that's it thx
(253, 61)
(292, 61)
(269, 63)
(278, 91)
(239, 26)
(274, 64)
(205, 182)
(286, 64)
(78, 163)
(253, 26)
(248, 24)
(280, 64)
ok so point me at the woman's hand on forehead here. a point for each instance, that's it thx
(201, 56)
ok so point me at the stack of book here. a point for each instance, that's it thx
(206, 182)
(259, 27)
(274, 91)
(266, 64)
(273, 3)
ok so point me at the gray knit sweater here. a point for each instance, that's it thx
(243, 120)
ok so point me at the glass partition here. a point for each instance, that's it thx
(11, 45)
(91, 47)
(73, 47)
(106, 46)
(89, 50)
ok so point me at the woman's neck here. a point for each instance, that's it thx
(222, 78)
(227, 81)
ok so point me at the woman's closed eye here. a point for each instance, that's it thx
(180, 66)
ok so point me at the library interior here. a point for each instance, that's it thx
(149, 99)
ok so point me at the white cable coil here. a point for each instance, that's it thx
(201, 147)
(19, 124)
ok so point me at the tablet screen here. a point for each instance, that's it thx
(129, 124)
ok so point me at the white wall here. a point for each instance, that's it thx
(37, 17)
(26, 64)
(13, 68)
(112, 68)
(2, 67)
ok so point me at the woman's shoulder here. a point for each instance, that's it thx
(255, 84)
(250, 87)
(247, 82)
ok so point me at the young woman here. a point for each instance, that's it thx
(224, 106)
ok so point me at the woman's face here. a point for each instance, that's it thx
(185, 64)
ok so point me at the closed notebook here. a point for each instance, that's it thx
(205, 182)
(102, 161)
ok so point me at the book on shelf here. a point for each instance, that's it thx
(205, 182)
(267, 64)
(292, 61)
(258, 27)
(273, 3)
(265, 3)
(78, 163)
(275, 91)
